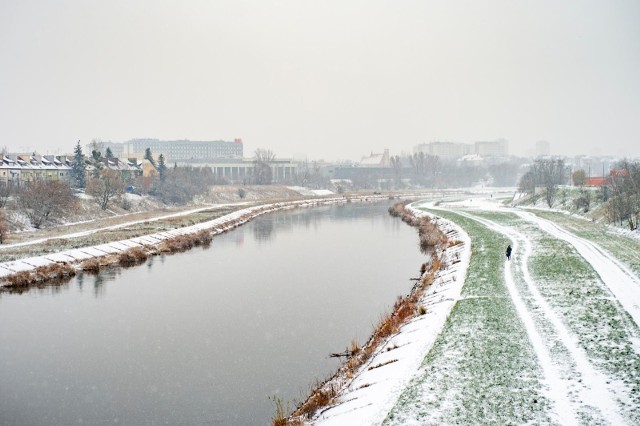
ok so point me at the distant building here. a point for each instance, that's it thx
(497, 148)
(177, 150)
(117, 149)
(444, 150)
(542, 149)
(376, 160)
(243, 170)
(130, 168)
(16, 169)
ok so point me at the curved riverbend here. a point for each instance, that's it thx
(206, 336)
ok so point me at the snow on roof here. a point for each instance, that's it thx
(372, 160)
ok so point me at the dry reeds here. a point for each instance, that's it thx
(185, 242)
(397, 210)
(133, 256)
(453, 243)
(321, 396)
(405, 308)
(53, 271)
(91, 265)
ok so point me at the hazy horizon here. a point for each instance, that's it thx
(326, 80)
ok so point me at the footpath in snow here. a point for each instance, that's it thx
(620, 280)
(569, 396)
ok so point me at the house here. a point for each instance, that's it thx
(20, 169)
(376, 160)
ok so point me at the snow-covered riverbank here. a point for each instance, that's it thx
(371, 393)
(565, 352)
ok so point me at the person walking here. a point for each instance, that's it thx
(508, 252)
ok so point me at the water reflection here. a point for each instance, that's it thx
(98, 285)
(262, 230)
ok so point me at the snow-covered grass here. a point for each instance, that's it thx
(86, 234)
(549, 337)
(593, 333)
(621, 245)
(482, 368)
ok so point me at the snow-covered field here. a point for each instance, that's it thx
(550, 337)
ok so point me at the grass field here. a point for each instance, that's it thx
(483, 369)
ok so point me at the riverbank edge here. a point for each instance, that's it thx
(40, 270)
(365, 392)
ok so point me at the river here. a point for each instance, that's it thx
(206, 336)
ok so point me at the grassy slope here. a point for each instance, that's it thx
(482, 369)
(572, 288)
(624, 248)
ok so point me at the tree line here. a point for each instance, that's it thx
(623, 204)
(619, 192)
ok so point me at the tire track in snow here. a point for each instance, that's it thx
(619, 279)
(593, 388)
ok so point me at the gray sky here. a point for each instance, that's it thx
(323, 79)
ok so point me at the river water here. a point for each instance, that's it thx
(207, 336)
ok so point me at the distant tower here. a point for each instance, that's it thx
(542, 149)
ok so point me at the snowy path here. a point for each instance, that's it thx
(592, 386)
(622, 282)
(118, 226)
(542, 339)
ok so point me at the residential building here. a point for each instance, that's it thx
(497, 148)
(444, 150)
(176, 150)
(20, 169)
(185, 150)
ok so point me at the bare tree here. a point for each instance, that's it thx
(396, 164)
(426, 167)
(263, 175)
(504, 174)
(303, 174)
(44, 201)
(624, 204)
(181, 184)
(4, 228)
(108, 185)
(6, 191)
(547, 172)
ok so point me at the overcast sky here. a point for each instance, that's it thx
(322, 79)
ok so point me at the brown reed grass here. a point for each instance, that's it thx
(133, 256)
(404, 309)
(53, 271)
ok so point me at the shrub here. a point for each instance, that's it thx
(54, 271)
(133, 256)
(90, 265)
